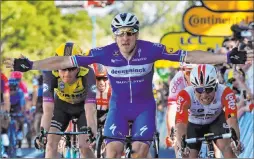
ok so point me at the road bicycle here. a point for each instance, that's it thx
(71, 149)
(208, 141)
(128, 143)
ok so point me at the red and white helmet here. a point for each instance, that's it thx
(99, 70)
(204, 75)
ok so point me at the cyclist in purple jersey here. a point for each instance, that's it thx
(129, 64)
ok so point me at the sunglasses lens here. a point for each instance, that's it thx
(102, 78)
(70, 69)
(200, 90)
(209, 90)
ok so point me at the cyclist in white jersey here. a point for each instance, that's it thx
(200, 111)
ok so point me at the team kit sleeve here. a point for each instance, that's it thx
(91, 87)
(94, 56)
(172, 93)
(228, 101)
(163, 54)
(49, 83)
(183, 103)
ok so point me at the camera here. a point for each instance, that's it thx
(245, 35)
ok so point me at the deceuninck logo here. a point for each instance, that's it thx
(130, 70)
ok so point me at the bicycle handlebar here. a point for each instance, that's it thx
(231, 135)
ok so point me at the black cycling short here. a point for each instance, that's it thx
(100, 113)
(64, 112)
(217, 127)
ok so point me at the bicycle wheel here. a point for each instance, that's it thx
(98, 147)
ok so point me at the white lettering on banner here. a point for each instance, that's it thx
(231, 101)
(130, 70)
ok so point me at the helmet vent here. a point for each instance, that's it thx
(207, 80)
(201, 78)
(131, 18)
(116, 20)
(196, 81)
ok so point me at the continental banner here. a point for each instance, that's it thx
(226, 5)
(185, 41)
(203, 22)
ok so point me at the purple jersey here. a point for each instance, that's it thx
(131, 80)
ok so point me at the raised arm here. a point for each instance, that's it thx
(204, 57)
(53, 63)
(200, 57)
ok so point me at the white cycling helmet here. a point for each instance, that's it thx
(204, 75)
(185, 65)
(124, 20)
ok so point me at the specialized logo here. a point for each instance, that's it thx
(235, 57)
(45, 87)
(24, 66)
(93, 88)
(112, 128)
(116, 53)
(231, 101)
(143, 129)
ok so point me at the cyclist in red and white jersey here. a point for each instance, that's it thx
(179, 82)
(22, 85)
(200, 111)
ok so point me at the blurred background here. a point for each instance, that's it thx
(36, 28)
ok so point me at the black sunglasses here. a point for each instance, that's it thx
(70, 69)
(204, 89)
(102, 78)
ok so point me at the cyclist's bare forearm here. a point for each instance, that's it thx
(7, 104)
(233, 122)
(48, 108)
(203, 57)
(181, 129)
(53, 63)
(91, 116)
